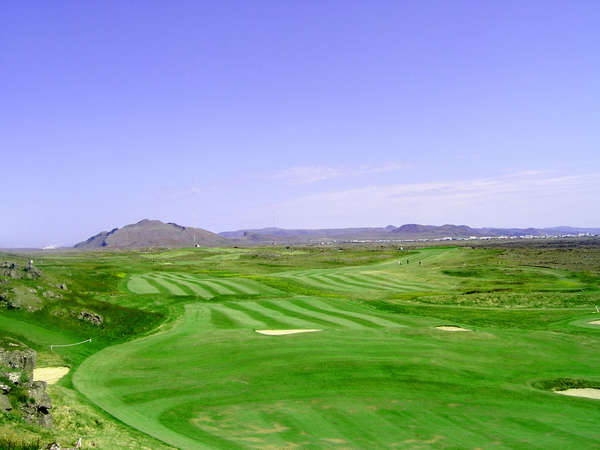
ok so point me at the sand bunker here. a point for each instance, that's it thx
(595, 322)
(451, 328)
(581, 392)
(49, 374)
(282, 332)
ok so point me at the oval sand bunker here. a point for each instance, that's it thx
(581, 392)
(282, 332)
(49, 374)
(595, 322)
(451, 328)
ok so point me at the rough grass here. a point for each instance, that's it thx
(15, 441)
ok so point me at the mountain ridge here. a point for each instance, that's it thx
(406, 231)
(153, 233)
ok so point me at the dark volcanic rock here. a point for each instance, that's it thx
(95, 319)
(5, 404)
(7, 300)
(32, 272)
(38, 410)
(17, 362)
(11, 270)
(17, 356)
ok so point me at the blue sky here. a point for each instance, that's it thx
(236, 114)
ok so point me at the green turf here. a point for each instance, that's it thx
(184, 284)
(377, 375)
(358, 382)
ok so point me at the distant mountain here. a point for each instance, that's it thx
(432, 231)
(281, 233)
(152, 233)
(390, 232)
(409, 231)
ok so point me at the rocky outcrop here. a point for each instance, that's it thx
(18, 392)
(5, 405)
(91, 317)
(11, 270)
(32, 272)
(14, 355)
(38, 411)
(14, 271)
(7, 298)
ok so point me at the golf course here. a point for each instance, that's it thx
(441, 347)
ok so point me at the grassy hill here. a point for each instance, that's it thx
(151, 233)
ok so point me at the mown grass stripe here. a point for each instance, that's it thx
(188, 277)
(259, 287)
(178, 284)
(402, 283)
(326, 283)
(381, 284)
(270, 321)
(221, 290)
(200, 283)
(197, 289)
(162, 289)
(139, 285)
(338, 321)
(252, 287)
(367, 316)
(306, 280)
(210, 289)
(234, 286)
(344, 279)
(276, 315)
(342, 321)
(221, 320)
(240, 318)
(342, 315)
(277, 306)
(173, 289)
(395, 284)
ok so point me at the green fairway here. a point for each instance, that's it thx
(183, 284)
(366, 380)
(372, 377)
(178, 355)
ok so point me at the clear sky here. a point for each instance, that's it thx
(238, 114)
